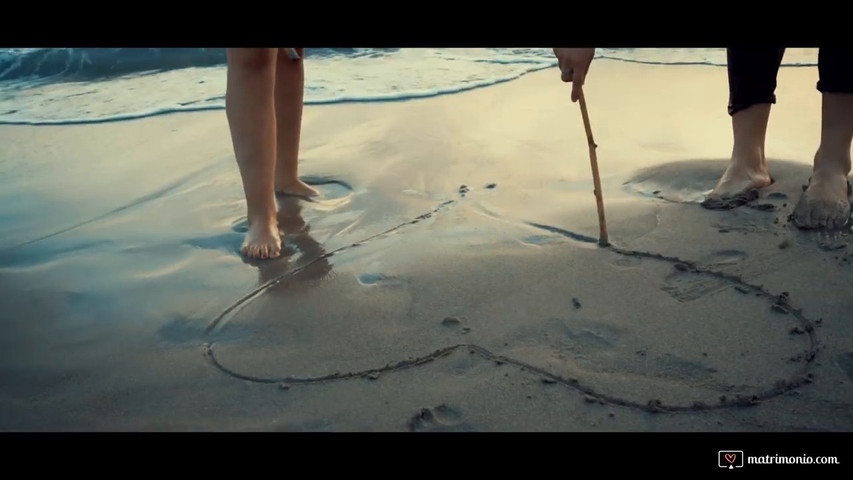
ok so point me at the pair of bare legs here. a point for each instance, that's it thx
(824, 204)
(263, 103)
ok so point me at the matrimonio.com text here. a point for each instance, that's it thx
(732, 459)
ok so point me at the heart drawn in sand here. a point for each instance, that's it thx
(730, 457)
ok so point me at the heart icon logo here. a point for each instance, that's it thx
(730, 457)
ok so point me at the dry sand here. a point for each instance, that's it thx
(404, 301)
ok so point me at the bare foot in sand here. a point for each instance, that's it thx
(747, 172)
(295, 187)
(262, 239)
(739, 184)
(251, 118)
(825, 202)
(263, 103)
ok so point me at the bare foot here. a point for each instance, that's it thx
(295, 187)
(824, 204)
(747, 172)
(738, 185)
(262, 240)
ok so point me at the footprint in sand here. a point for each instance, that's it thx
(378, 279)
(577, 336)
(627, 262)
(724, 257)
(539, 240)
(334, 193)
(686, 286)
(673, 366)
(457, 324)
(442, 418)
(590, 338)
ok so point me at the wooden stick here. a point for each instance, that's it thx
(596, 180)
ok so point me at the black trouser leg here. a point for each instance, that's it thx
(752, 76)
(835, 66)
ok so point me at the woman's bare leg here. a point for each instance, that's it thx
(251, 117)
(289, 92)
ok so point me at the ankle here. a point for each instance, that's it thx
(829, 172)
(287, 180)
(832, 161)
(261, 217)
(749, 156)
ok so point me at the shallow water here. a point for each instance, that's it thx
(68, 85)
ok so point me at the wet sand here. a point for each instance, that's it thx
(446, 279)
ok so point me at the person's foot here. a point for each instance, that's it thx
(295, 187)
(824, 204)
(262, 239)
(739, 184)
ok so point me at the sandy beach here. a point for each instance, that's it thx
(447, 279)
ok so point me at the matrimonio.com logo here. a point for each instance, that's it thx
(730, 459)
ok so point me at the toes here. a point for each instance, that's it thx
(833, 216)
(841, 215)
(711, 203)
(727, 203)
(816, 216)
(802, 215)
(262, 250)
(821, 215)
